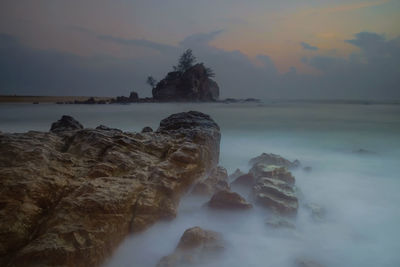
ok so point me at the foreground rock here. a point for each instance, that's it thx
(274, 189)
(216, 181)
(196, 246)
(71, 195)
(192, 85)
(228, 200)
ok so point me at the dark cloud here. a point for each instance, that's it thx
(307, 46)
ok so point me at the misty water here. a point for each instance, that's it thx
(359, 192)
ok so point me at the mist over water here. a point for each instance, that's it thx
(359, 192)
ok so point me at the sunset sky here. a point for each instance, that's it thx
(279, 47)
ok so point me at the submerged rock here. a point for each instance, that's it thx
(66, 123)
(228, 200)
(318, 213)
(196, 246)
(307, 263)
(273, 159)
(244, 180)
(279, 222)
(69, 200)
(216, 181)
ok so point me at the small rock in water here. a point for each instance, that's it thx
(362, 151)
(317, 212)
(307, 263)
(228, 200)
(279, 222)
(196, 246)
(236, 174)
(307, 169)
(273, 159)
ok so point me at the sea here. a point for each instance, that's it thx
(353, 150)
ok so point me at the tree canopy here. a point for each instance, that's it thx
(186, 61)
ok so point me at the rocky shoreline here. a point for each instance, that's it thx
(71, 195)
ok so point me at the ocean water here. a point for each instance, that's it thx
(359, 192)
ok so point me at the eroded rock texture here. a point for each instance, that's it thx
(69, 196)
(216, 181)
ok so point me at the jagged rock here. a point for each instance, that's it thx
(216, 181)
(273, 159)
(196, 246)
(244, 180)
(147, 129)
(274, 189)
(228, 200)
(192, 85)
(69, 200)
(235, 174)
(66, 123)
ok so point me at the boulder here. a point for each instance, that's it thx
(70, 199)
(192, 85)
(195, 247)
(66, 123)
(228, 200)
(273, 159)
(274, 189)
(244, 180)
(216, 181)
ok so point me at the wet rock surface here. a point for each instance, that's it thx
(195, 247)
(71, 195)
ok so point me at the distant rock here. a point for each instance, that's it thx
(66, 123)
(307, 263)
(196, 247)
(362, 151)
(192, 85)
(273, 159)
(216, 181)
(147, 129)
(228, 200)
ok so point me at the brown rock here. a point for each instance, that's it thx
(245, 180)
(273, 159)
(216, 181)
(196, 246)
(228, 200)
(70, 199)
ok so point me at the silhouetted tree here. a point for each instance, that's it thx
(186, 61)
(151, 81)
(210, 73)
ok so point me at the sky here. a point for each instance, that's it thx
(257, 48)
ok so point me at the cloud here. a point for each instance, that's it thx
(138, 42)
(307, 46)
(200, 39)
